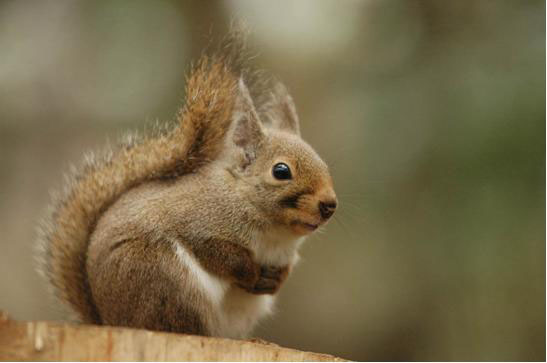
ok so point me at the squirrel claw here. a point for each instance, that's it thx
(267, 285)
(262, 287)
(273, 272)
(271, 278)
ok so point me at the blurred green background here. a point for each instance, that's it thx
(430, 113)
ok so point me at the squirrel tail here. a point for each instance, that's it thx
(195, 139)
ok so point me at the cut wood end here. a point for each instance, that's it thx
(48, 341)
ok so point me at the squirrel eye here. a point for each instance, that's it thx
(281, 171)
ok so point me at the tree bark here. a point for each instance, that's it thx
(55, 341)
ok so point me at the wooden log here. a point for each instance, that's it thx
(56, 341)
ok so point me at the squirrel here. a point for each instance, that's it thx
(192, 229)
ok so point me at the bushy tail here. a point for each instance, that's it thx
(196, 139)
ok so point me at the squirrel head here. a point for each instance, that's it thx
(278, 171)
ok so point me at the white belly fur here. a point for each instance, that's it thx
(237, 311)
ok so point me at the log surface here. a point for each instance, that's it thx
(55, 341)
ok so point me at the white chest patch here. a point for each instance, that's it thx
(276, 248)
(213, 287)
(235, 311)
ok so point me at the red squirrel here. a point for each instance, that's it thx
(195, 228)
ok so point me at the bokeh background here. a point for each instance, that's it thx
(430, 113)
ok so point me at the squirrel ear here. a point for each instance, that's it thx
(246, 130)
(283, 112)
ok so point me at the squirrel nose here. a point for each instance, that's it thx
(327, 209)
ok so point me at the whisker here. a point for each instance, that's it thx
(344, 227)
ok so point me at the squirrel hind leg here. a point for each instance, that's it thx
(133, 285)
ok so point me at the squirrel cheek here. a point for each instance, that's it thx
(290, 214)
(301, 222)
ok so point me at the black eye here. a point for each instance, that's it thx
(281, 171)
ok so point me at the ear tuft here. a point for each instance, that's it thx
(282, 113)
(247, 132)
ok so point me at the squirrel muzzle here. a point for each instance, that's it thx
(314, 210)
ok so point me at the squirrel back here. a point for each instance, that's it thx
(89, 190)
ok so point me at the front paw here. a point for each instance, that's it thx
(246, 272)
(270, 280)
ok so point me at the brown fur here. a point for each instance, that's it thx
(109, 245)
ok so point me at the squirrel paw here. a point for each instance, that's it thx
(270, 280)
